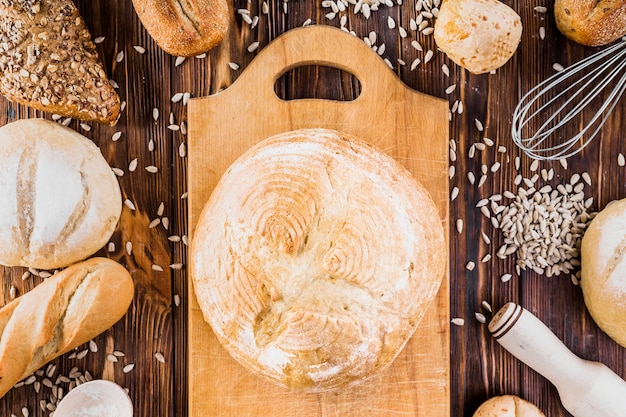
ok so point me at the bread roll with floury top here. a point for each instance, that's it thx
(508, 406)
(479, 35)
(603, 270)
(60, 199)
(315, 259)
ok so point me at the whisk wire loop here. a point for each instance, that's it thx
(579, 85)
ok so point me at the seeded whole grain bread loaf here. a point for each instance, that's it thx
(49, 62)
(315, 259)
(65, 311)
(184, 27)
(591, 22)
(60, 199)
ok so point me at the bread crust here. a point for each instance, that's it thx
(591, 22)
(51, 64)
(479, 35)
(184, 27)
(60, 199)
(603, 270)
(315, 259)
(66, 310)
(508, 406)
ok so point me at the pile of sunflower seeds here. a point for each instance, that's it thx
(543, 227)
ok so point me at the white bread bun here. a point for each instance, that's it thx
(479, 35)
(603, 270)
(315, 259)
(508, 406)
(60, 199)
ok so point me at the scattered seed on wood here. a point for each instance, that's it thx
(459, 225)
(486, 306)
(470, 266)
(480, 317)
(457, 321)
(159, 357)
(129, 204)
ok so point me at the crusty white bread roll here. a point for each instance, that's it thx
(315, 259)
(508, 406)
(603, 270)
(60, 199)
(479, 35)
(66, 310)
(184, 28)
(591, 22)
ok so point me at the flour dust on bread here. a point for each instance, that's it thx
(49, 62)
(603, 270)
(60, 199)
(65, 311)
(315, 259)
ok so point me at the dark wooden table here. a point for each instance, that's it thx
(152, 335)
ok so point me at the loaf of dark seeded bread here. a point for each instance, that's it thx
(49, 62)
(65, 311)
(184, 27)
(591, 22)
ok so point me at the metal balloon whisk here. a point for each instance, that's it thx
(594, 84)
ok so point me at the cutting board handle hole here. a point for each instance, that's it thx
(322, 82)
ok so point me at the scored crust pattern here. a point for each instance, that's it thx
(315, 259)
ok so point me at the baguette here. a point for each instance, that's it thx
(49, 62)
(591, 22)
(184, 27)
(65, 311)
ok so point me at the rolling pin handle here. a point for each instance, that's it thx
(587, 389)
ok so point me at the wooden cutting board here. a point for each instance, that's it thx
(411, 127)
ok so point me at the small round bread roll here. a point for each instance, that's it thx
(603, 270)
(591, 22)
(315, 259)
(60, 199)
(508, 406)
(479, 35)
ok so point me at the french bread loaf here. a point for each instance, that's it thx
(49, 62)
(65, 311)
(184, 27)
(591, 22)
(60, 199)
(315, 259)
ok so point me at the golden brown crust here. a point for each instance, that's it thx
(184, 27)
(479, 35)
(508, 406)
(65, 311)
(315, 259)
(591, 22)
(49, 62)
(603, 270)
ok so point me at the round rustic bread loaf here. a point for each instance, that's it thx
(591, 22)
(603, 270)
(315, 258)
(479, 35)
(60, 200)
(508, 406)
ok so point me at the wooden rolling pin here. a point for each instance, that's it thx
(586, 388)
